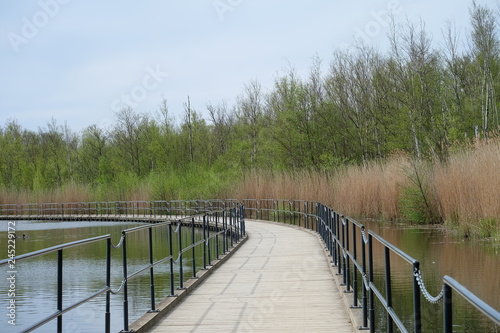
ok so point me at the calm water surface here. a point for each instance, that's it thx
(84, 274)
(474, 264)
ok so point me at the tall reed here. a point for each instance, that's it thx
(464, 191)
(468, 189)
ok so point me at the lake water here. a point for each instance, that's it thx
(84, 270)
(476, 265)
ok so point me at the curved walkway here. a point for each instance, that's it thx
(278, 281)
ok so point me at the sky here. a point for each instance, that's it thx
(79, 62)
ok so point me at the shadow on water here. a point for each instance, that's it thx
(84, 273)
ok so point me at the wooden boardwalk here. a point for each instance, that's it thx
(278, 281)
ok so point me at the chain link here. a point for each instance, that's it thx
(119, 243)
(425, 292)
(119, 289)
(363, 235)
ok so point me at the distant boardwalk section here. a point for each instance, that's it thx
(278, 281)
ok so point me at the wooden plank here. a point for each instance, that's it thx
(279, 280)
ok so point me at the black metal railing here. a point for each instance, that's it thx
(347, 240)
(112, 209)
(58, 314)
(349, 243)
(221, 222)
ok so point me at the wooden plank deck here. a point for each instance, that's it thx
(278, 281)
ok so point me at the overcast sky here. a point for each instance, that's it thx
(80, 61)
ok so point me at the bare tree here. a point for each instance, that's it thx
(485, 50)
(188, 119)
(250, 110)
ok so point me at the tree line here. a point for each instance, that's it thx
(415, 98)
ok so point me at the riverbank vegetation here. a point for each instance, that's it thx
(407, 134)
(463, 192)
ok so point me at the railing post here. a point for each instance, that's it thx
(355, 274)
(193, 261)
(447, 309)
(242, 221)
(333, 236)
(365, 296)
(416, 300)
(347, 259)
(207, 240)
(151, 271)
(216, 220)
(224, 222)
(339, 244)
(171, 250)
(125, 277)
(344, 268)
(370, 281)
(181, 271)
(59, 289)
(331, 244)
(231, 221)
(204, 242)
(108, 285)
(388, 288)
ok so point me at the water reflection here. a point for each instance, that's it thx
(84, 274)
(475, 264)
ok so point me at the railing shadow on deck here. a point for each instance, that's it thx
(342, 236)
(221, 221)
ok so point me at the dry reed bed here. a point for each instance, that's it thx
(465, 190)
(468, 189)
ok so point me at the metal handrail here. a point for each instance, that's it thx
(60, 310)
(227, 221)
(340, 235)
(451, 284)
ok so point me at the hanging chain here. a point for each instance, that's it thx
(425, 292)
(119, 289)
(363, 235)
(119, 243)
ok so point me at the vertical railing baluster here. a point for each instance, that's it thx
(151, 270)
(231, 225)
(208, 242)
(339, 244)
(417, 312)
(181, 270)
(224, 222)
(217, 235)
(108, 285)
(343, 257)
(370, 281)
(193, 252)
(365, 295)
(388, 288)
(355, 273)
(125, 283)
(59, 289)
(171, 250)
(447, 309)
(347, 259)
(242, 222)
(204, 242)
